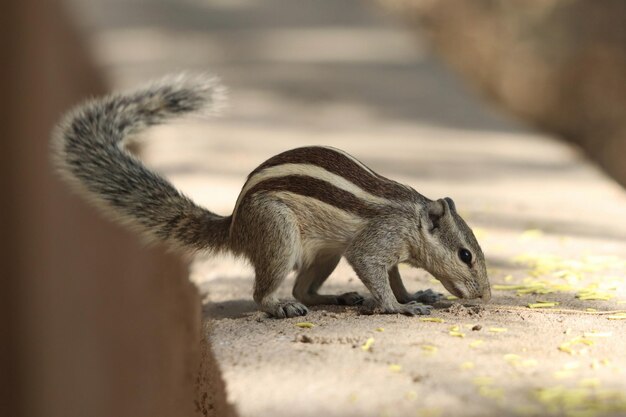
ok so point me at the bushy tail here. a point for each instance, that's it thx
(87, 150)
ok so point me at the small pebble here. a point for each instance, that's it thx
(477, 327)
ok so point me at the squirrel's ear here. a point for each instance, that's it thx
(436, 210)
(450, 204)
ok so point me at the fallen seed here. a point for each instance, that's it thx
(498, 329)
(368, 344)
(476, 343)
(433, 319)
(394, 367)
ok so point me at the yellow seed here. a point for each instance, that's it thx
(380, 329)
(592, 294)
(483, 380)
(498, 329)
(368, 344)
(565, 347)
(433, 319)
(591, 310)
(582, 340)
(394, 367)
(527, 363)
(456, 334)
(595, 297)
(535, 290)
(502, 287)
(451, 297)
(543, 305)
(305, 325)
(512, 357)
(618, 316)
(429, 348)
(467, 365)
(476, 343)
(454, 328)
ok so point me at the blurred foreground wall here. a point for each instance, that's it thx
(560, 64)
(92, 323)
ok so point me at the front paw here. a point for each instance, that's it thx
(427, 296)
(350, 299)
(414, 308)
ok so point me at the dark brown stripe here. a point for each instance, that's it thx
(319, 190)
(341, 165)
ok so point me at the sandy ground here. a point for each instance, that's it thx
(345, 74)
(503, 358)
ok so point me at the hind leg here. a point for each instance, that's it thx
(311, 278)
(269, 276)
(271, 239)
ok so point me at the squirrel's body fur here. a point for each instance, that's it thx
(302, 209)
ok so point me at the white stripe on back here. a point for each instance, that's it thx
(312, 171)
(352, 158)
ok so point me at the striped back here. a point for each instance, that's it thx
(330, 176)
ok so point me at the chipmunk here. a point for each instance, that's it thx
(302, 209)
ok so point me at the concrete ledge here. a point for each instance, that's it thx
(527, 201)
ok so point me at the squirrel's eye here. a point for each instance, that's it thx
(465, 256)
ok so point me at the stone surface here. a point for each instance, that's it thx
(340, 73)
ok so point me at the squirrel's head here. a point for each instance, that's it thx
(450, 252)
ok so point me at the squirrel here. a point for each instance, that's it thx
(303, 209)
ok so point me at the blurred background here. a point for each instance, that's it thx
(452, 97)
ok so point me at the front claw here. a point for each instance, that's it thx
(427, 296)
(350, 299)
(414, 308)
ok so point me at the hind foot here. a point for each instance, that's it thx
(287, 309)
